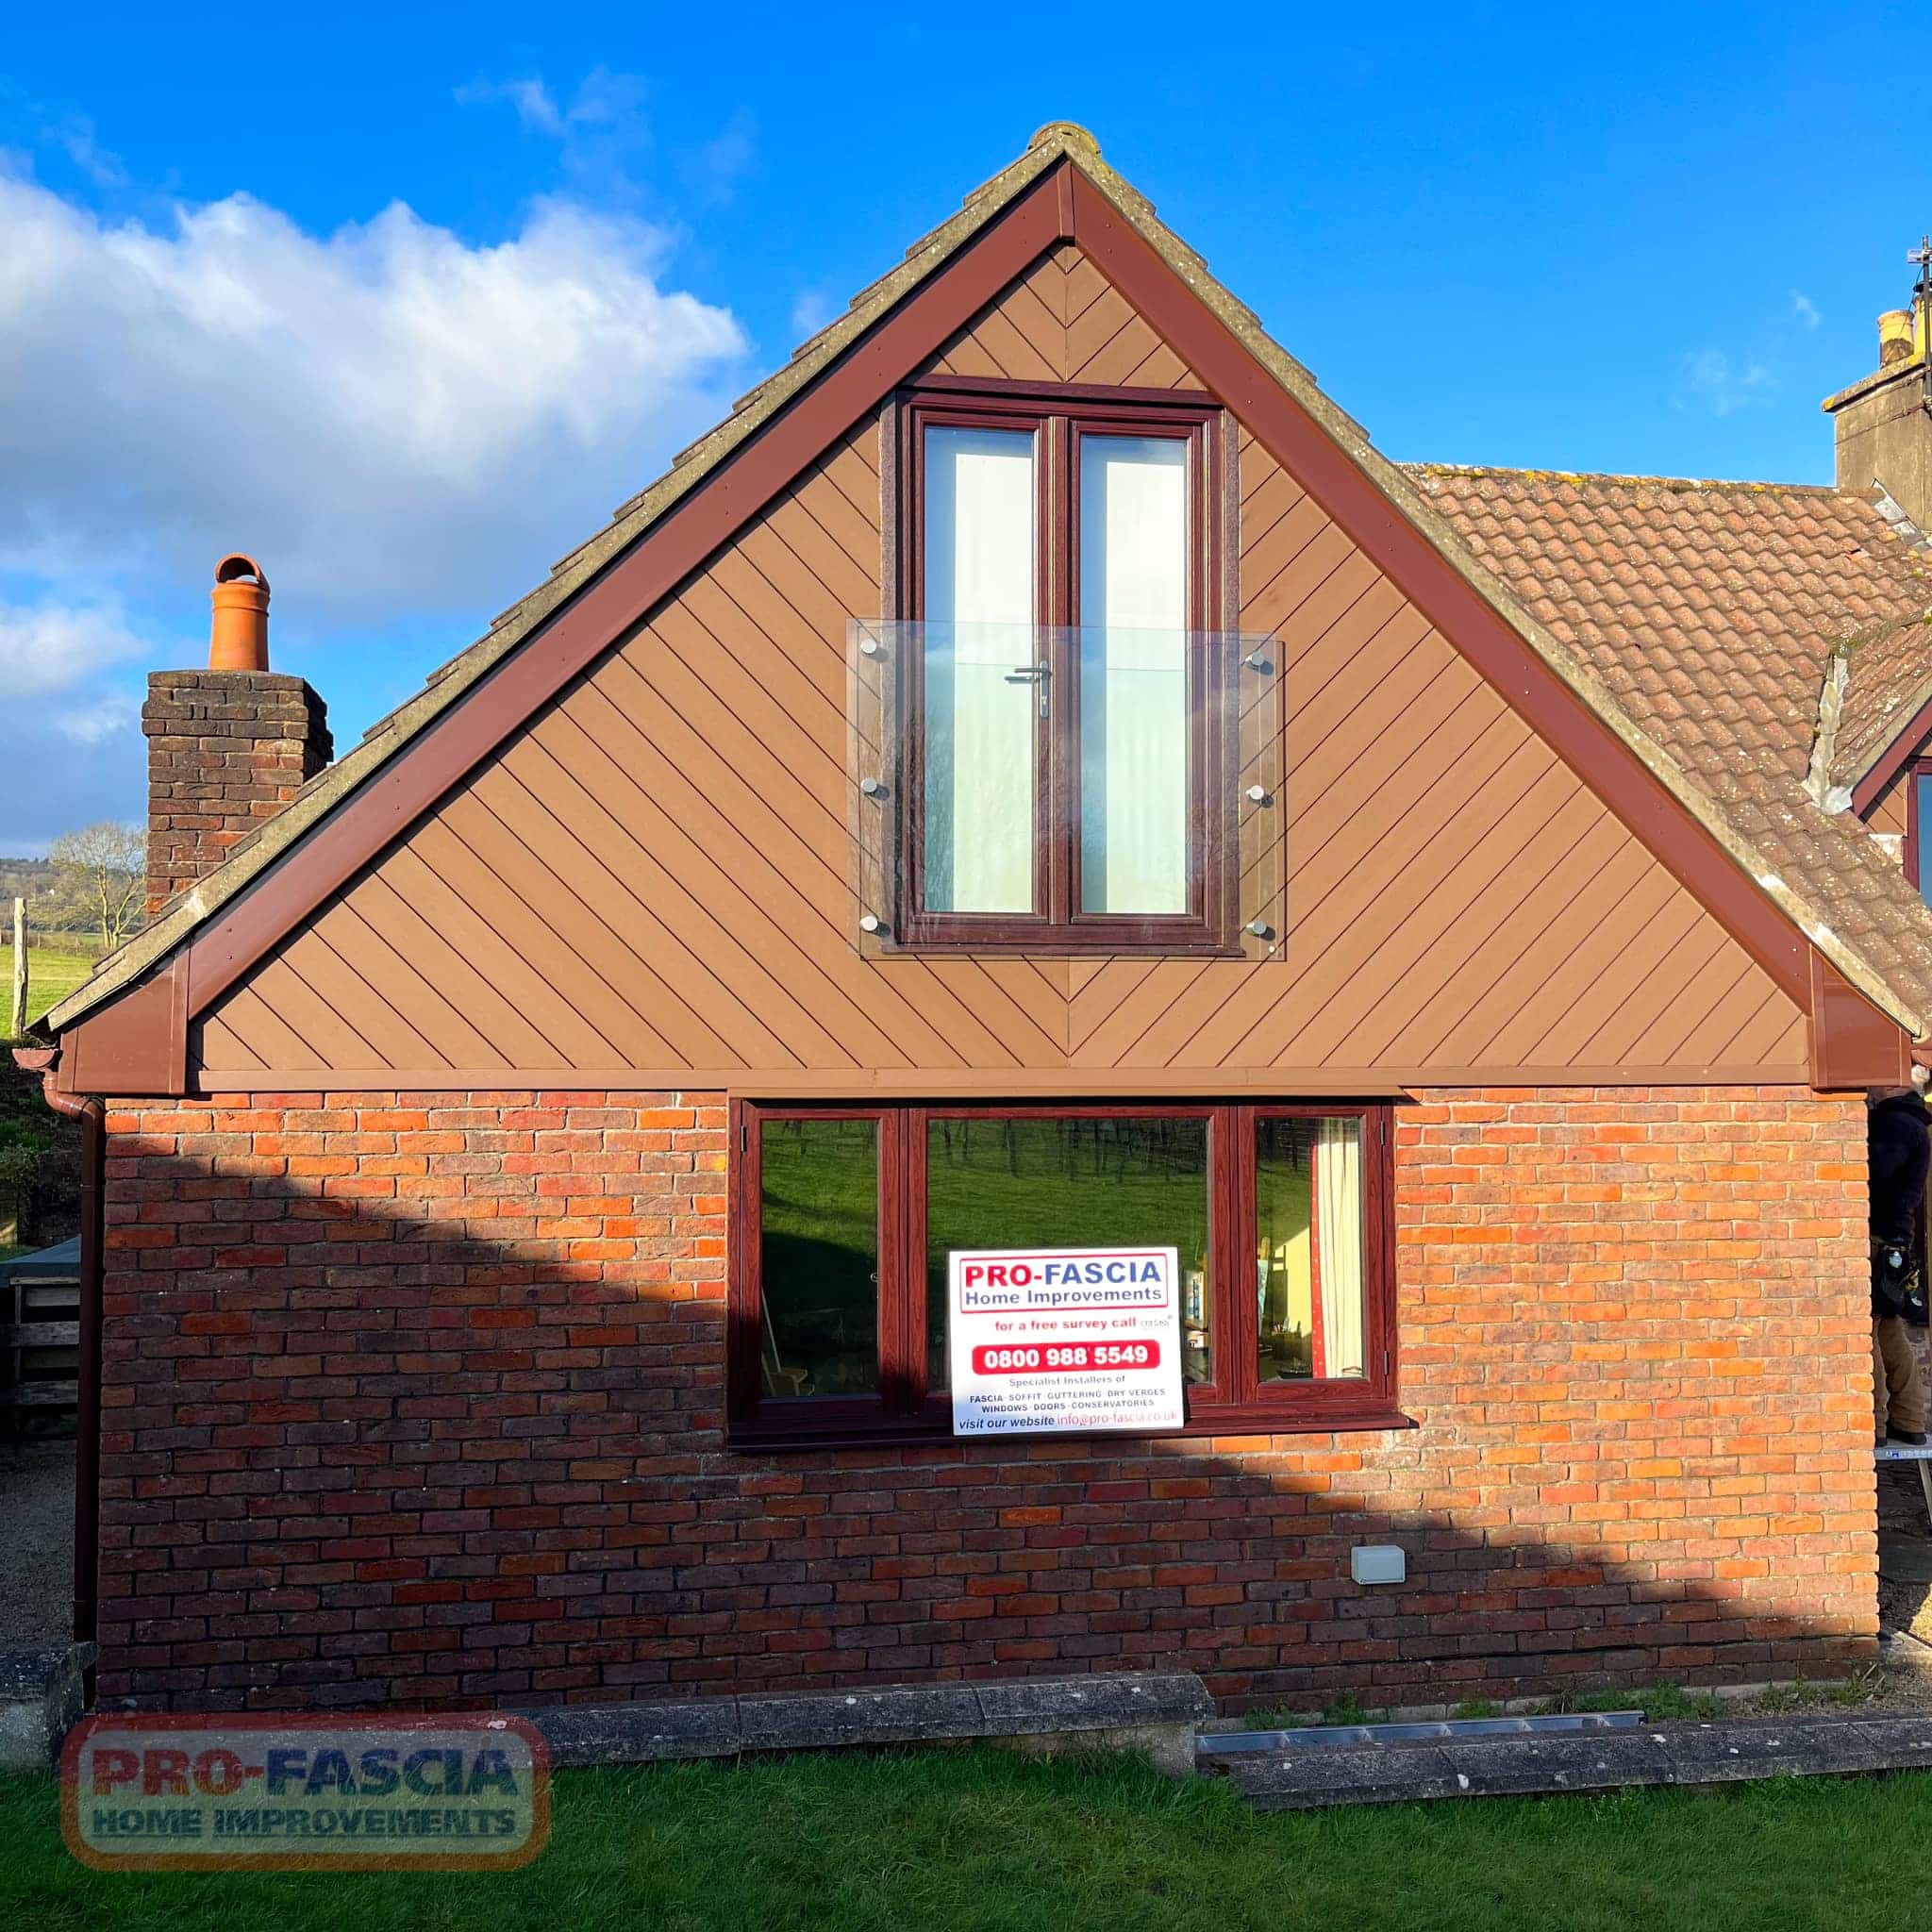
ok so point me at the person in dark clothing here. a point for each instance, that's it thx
(1899, 1133)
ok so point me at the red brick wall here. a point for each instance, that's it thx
(225, 750)
(418, 1400)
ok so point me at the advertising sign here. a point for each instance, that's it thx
(1053, 1340)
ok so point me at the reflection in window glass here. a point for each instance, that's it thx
(820, 1257)
(1922, 818)
(1068, 1184)
(979, 643)
(1133, 674)
(1308, 1259)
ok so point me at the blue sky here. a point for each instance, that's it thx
(407, 300)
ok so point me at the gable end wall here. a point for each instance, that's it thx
(651, 879)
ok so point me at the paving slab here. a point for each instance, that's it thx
(1604, 1761)
(1721, 1751)
(1366, 1774)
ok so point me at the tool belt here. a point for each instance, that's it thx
(1897, 1290)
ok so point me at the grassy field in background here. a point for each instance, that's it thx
(977, 1841)
(990, 1184)
(53, 973)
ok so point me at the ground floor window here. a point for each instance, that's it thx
(844, 1220)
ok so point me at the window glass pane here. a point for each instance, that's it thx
(979, 629)
(994, 1183)
(1922, 810)
(1309, 1261)
(819, 1217)
(1134, 726)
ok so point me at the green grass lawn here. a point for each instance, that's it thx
(52, 974)
(981, 1839)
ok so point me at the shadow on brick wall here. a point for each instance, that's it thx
(423, 1405)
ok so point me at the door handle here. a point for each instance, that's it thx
(1040, 674)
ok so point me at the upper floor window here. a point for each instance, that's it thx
(1064, 777)
(1918, 848)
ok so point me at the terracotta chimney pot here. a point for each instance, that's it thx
(238, 638)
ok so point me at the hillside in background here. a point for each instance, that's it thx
(24, 879)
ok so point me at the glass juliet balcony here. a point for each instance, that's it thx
(1017, 787)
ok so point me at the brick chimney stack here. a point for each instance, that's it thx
(1884, 423)
(226, 747)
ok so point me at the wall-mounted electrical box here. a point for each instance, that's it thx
(1377, 1563)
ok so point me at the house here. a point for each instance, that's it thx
(1034, 778)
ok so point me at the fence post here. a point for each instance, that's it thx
(17, 1030)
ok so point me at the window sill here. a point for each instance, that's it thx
(1231, 1421)
(1061, 941)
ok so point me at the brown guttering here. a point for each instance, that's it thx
(89, 1111)
(238, 637)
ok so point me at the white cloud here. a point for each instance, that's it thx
(404, 425)
(75, 136)
(535, 104)
(717, 167)
(600, 131)
(112, 711)
(1805, 310)
(47, 648)
(391, 418)
(1712, 379)
(70, 737)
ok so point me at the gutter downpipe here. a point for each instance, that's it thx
(92, 1115)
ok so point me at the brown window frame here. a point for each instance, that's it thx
(1917, 767)
(1060, 416)
(904, 1411)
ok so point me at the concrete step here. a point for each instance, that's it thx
(41, 1701)
(1153, 1713)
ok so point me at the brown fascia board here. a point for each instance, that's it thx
(1377, 506)
(1853, 1045)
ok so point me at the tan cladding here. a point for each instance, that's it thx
(1888, 813)
(654, 875)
